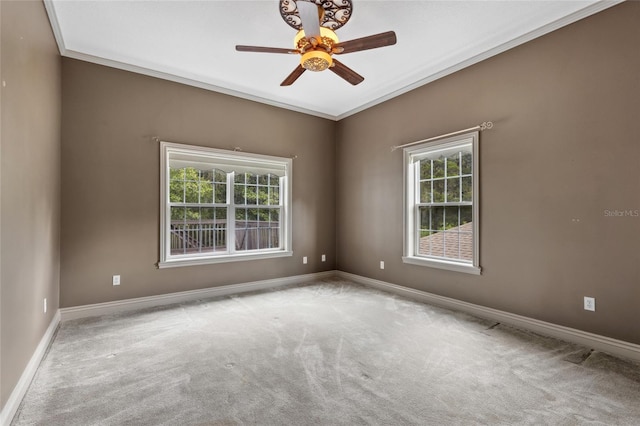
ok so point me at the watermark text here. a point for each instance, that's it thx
(622, 213)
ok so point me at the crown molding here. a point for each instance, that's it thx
(539, 32)
(555, 25)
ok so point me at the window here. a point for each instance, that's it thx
(222, 206)
(441, 204)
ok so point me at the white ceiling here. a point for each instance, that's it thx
(193, 42)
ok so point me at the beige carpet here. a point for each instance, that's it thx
(325, 353)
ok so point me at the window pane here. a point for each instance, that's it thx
(192, 214)
(425, 221)
(425, 169)
(207, 231)
(453, 166)
(274, 180)
(206, 175)
(265, 217)
(246, 221)
(466, 244)
(220, 193)
(438, 168)
(437, 218)
(206, 192)
(239, 178)
(269, 233)
(466, 214)
(220, 176)
(177, 230)
(252, 194)
(273, 237)
(466, 163)
(220, 229)
(191, 191)
(425, 192)
(451, 217)
(263, 195)
(452, 244)
(252, 217)
(177, 214)
(176, 191)
(238, 194)
(207, 214)
(436, 244)
(264, 238)
(274, 216)
(275, 196)
(176, 174)
(438, 191)
(241, 216)
(263, 179)
(251, 178)
(453, 190)
(467, 189)
(241, 239)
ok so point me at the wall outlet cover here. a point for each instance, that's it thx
(589, 303)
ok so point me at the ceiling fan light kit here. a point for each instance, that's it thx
(316, 60)
(316, 41)
(316, 51)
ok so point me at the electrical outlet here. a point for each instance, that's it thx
(382, 264)
(589, 303)
(45, 305)
(324, 258)
(304, 260)
(116, 280)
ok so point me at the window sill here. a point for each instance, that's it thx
(192, 261)
(442, 264)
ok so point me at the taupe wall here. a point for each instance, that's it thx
(564, 149)
(30, 176)
(110, 181)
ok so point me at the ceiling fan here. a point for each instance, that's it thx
(316, 42)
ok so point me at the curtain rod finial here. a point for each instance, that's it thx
(486, 125)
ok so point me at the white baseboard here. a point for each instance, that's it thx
(184, 296)
(13, 403)
(605, 344)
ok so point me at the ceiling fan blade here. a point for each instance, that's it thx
(366, 43)
(310, 19)
(345, 72)
(291, 78)
(241, 48)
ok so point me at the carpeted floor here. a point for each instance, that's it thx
(326, 353)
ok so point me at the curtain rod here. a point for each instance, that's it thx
(484, 126)
(235, 149)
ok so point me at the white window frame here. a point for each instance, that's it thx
(238, 159)
(412, 154)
